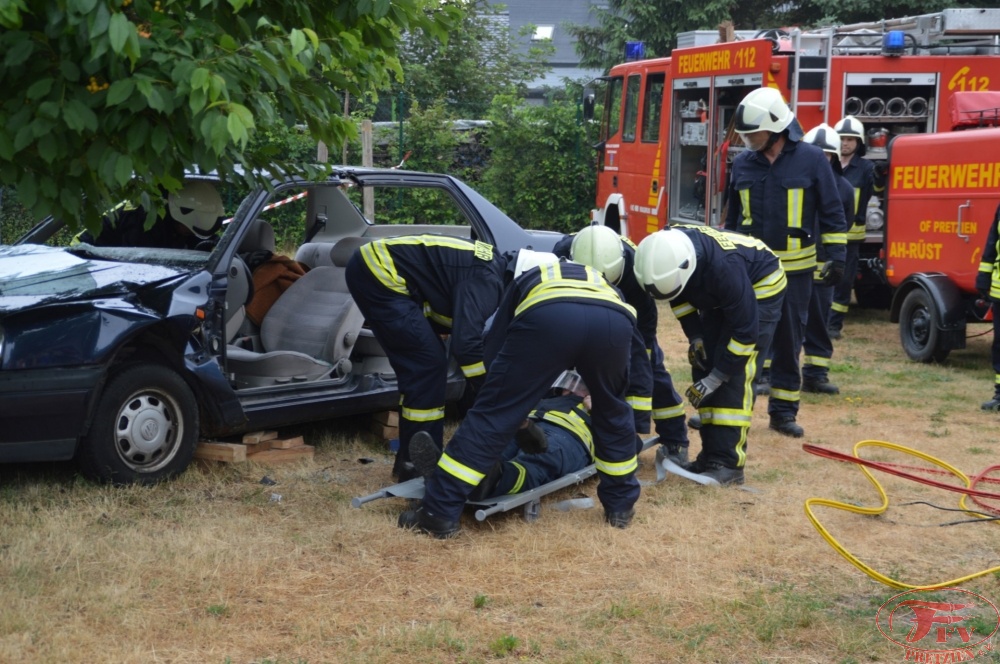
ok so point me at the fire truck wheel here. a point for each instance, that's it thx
(918, 330)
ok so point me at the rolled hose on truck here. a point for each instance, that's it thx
(969, 492)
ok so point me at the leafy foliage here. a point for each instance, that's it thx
(99, 90)
(542, 168)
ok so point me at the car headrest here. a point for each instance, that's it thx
(345, 248)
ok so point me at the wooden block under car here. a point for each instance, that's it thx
(280, 455)
(230, 452)
(390, 418)
(258, 437)
(286, 443)
(384, 431)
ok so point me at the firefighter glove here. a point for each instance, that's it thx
(697, 356)
(832, 272)
(701, 390)
(983, 282)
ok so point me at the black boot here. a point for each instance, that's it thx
(993, 405)
(424, 453)
(532, 439)
(819, 386)
(619, 519)
(403, 470)
(694, 422)
(421, 519)
(786, 425)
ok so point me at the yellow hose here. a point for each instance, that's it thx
(874, 511)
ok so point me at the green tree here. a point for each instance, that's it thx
(479, 61)
(542, 169)
(99, 90)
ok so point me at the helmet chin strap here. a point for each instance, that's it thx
(770, 142)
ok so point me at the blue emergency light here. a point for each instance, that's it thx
(635, 50)
(893, 43)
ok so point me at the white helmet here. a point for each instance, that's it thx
(571, 381)
(850, 127)
(198, 206)
(763, 110)
(527, 259)
(825, 138)
(600, 248)
(664, 262)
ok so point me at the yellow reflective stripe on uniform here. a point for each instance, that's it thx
(639, 403)
(667, 413)
(833, 238)
(521, 474)
(649, 353)
(440, 319)
(617, 468)
(682, 310)
(784, 395)
(986, 267)
(432, 241)
(379, 262)
(996, 379)
(553, 286)
(797, 260)
(741, 448)
(473, 370)
(726, 417)
(736, 348)
(745, 204)
(839, 308)
(816, 360)
(770, 285)
(422, 414)
(796, 199)
(573, 423)
(460, 471)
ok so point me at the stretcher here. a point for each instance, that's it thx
(531, 500)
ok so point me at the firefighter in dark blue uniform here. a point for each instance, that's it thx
(860, 173)
(411, 290)
(988, 285)
(783, 192)
(614, 256)
(726, 289)
(552, 317)
(818, 345)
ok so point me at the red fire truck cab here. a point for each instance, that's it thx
(666, 138)
(942, 192)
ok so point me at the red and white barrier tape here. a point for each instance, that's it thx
(285, 201)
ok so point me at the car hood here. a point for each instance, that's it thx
(31, 275)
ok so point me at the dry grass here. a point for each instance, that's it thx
(209, 568)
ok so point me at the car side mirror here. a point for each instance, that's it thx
(588, 105)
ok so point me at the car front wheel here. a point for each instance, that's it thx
(144, 430)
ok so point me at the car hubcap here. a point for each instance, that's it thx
(920, 326)
(147, 430)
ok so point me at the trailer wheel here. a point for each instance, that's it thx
(918, 331)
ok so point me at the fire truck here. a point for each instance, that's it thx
(666, 139)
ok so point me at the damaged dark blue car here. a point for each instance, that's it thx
(123, 358)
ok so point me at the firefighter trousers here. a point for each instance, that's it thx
(538, 345)
(523, 472)
(995, 348)
(786, 379)
(726, 414)
(842, 291)
(668, 406)
(817, 345)
(414, 350)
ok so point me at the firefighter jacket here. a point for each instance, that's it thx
(634, 294)
(457, 282)
(572, 282)
(567, 412)
(860, 173)
(989, 267)
(791, 204)
(732, 272)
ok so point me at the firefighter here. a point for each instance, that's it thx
(817, 344)
(552, 317)
(411, 290)
(561, 443)
(726, 289)
(191, 220)
(783, 192)
(614, 256)
(988, 285)
(860, 173)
